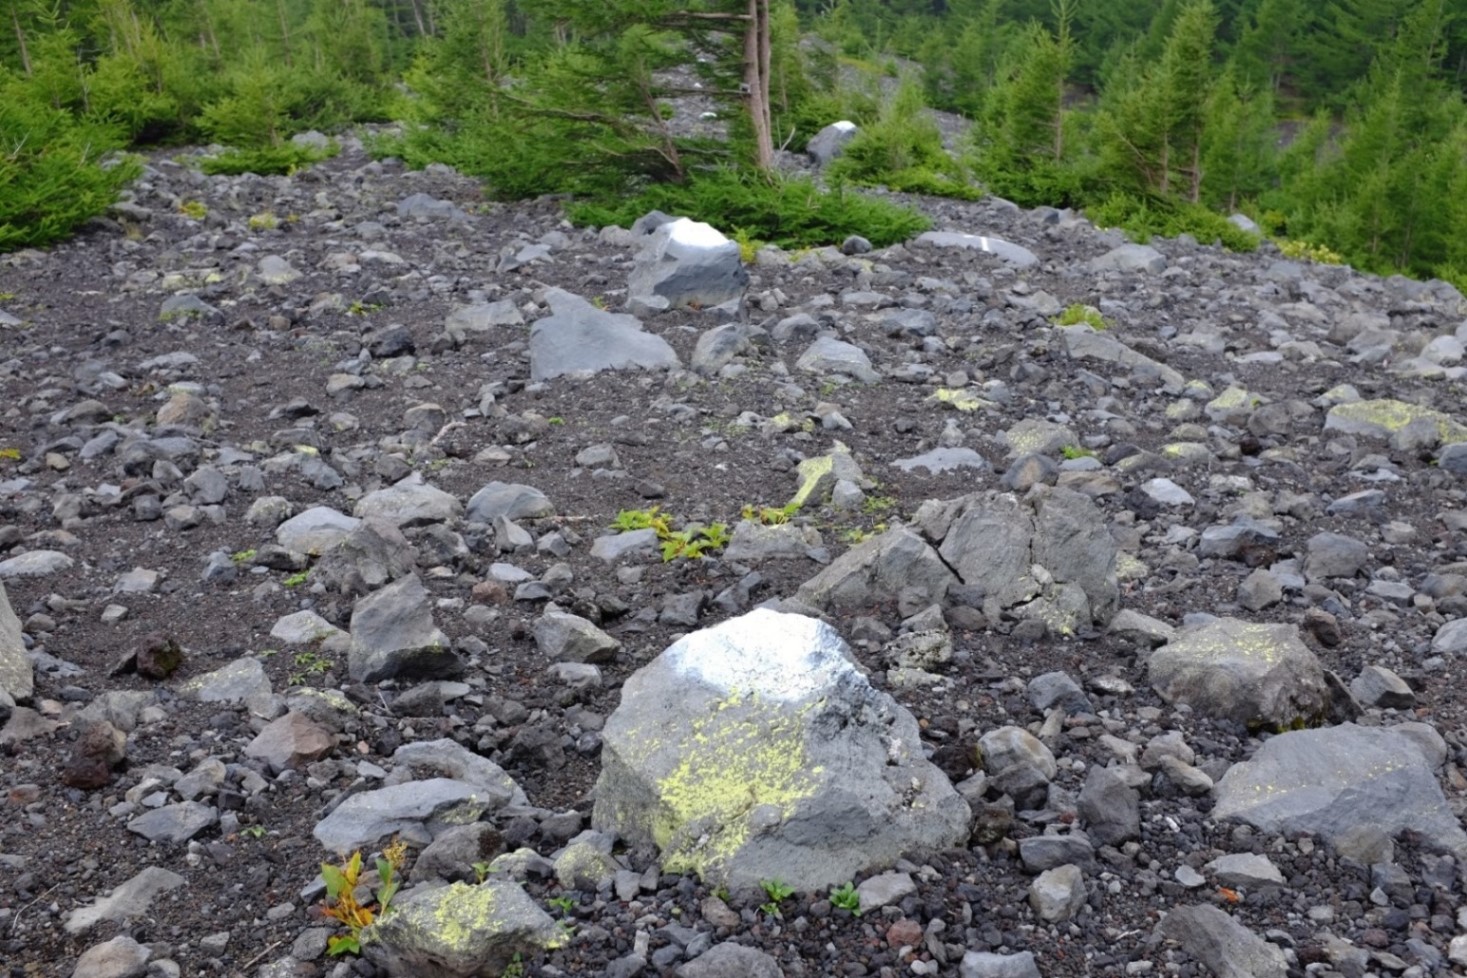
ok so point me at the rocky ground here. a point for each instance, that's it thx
(226, 353)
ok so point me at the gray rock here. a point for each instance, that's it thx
(393, 636)
(291, 741)
(1110, 806)
(182, 307)
(1130, 258)
(1255, 674)
(35, 563)
(1035, 436)
(1083, 342)
(1451, 638)
(447, 758)
(579, 338)
(121, 957)
(685, 264)
(127, 900)
(876, 571)
(730, 960)
(366, 818)
(885, 890)
(1334, 555)
(717, 347)
(509, 500)
(1337, 782)
(1018, 764)
(459, 931)
(1058, 894)
(482, 317)
(756, 750)
(241, 680)
(424, 207)
(1379, 687)
(1260, 590)
(753, 542)
(586, 863)
(315, 531)
(409, 502)
(1053, 689)
(616, 546)
(17, 675)
(830, 142)
(174, 823)
(274, 270)
(570, 638)
(452, 855)
(986, 964)
(1011, 254)
(940, 460)
(1041, 852)
(304, 628)
(828, 355)
(1245, 869)
(1224, 946)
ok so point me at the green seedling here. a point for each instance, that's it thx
(264, 221)
(564, 904)
(1075, 451)
(778, 891)
(296, 580)
(642, 519)
(1078, 313)
(770, 515)
(846, 898)
(360, 308)
(9, 455)
(341, 901)
(481, 872)
(194, 210)
(253, 831)
(242, 556)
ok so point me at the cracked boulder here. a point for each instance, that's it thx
(757, 750)
(685, 264)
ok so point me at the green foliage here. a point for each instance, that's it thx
(565, 904)
(902, 149)
(846, 898)
(1142, 216)
(690, 542)
(56, 171)
(770, 515)
(297, 579)
(266, 160)
(778, 891)
(1072, 452)
(788, 212)
(1077, 313)
(342, 904)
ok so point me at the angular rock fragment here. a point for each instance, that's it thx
(393, 635)
(685, 264)
(579, 338)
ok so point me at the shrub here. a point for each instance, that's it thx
(791, 213)
(54, 172)
(1143, 216)
(266, 160)
(902, 149)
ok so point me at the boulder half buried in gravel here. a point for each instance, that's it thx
(877, 571)
(1016, 255)
(459, 931)
(756, 750)
(685, 264)
(17, 677)
(579, 338)
(1343, 783)
(1255, 674)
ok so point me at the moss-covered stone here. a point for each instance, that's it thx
(1382, 418)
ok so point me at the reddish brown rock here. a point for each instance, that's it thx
(158, 657)
(95, 757)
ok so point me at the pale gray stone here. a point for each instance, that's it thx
(986, 964)
(17, 675)
(241, 680)
(366, 818)
(174, 823)
(884, 890)
(510, 500)
(1224, 946)
(684, 264)
(393, 636)
(121, 957)
(409, 502)
(1245, 869)
(1016, 256)
(1058, 894)
(832, 779)
(35, 563)
(579, 338)
(127, 900)
(876, 571)
(570, 638)
(315, 531)
(730, 960)
(459, 931)
(828, 355)
(1130, 258)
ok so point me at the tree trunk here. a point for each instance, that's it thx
(25, 55)
(284, 31)
(756, 81)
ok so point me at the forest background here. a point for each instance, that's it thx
(1338, 127)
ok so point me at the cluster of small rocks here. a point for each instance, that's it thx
(1139, 644)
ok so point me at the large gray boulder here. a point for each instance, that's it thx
(1047, 556)
(1343, 783)
(757, 750)
(460, 931)
(831, 141)
(17, 676)
(370, 556)
(685, 264)
(1255, 674)
(1226, 947)
(409, 502)
(579, 338)
(431, 805)
(393, 636)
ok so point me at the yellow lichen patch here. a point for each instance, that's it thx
(1390, 416)
(1130, 568)
(1186, 451)
(1232, 399)
(814, 472)
(1255, 641)
(732, 764)
(959, 400)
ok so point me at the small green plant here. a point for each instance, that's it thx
(564, 904)
(481, 872)
(770, 515)
(296, 580)
(846, 898)
(778, 891)
(1290, 248)
(243, 556)
(360, 308)
(642, 519)
(748, 245)
(265, 160)
(6, 296)
(874, 504)
(599, 302)
(693, 543)
(555, 420)
(9, 455)
(515, 968)
(341, 901)
(1077, 313)
(194, 210)
(253, 831)
(308, 664)
(1075, 451)
(264, 221)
